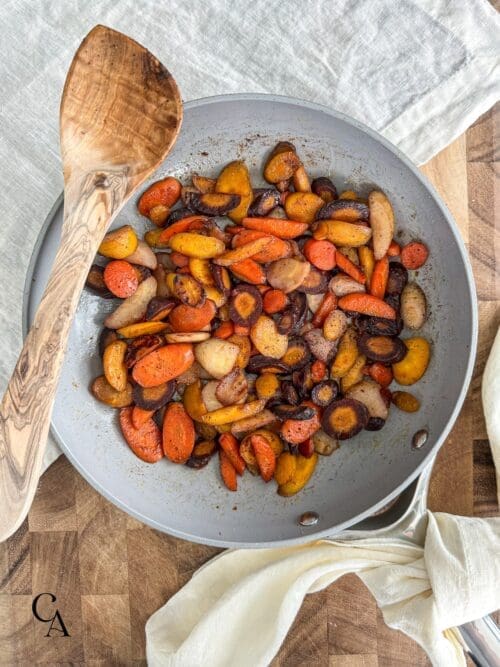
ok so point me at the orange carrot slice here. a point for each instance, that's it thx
(163, 364)
(121, 278)
(227, 471)
(165, 192)
(367, 304)
(178, 433)
(321, 254)
(230, 446)
(350, 268)
(145, 441)
(414, 255)
(380, 275)
(283, 229)
(140, 416)
(266, 458)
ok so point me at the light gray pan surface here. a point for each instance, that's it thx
(369, 469)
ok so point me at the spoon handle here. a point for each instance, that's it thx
(26, 407)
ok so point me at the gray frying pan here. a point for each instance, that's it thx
(367, 471)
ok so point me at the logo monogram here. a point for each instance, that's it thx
(56, 618)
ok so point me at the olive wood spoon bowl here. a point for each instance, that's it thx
(120, 115)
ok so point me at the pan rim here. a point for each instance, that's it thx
(333, 531)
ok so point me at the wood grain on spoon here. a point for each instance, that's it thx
(120, 114)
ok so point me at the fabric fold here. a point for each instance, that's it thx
(238, 608)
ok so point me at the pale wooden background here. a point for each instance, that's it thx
(110, 572)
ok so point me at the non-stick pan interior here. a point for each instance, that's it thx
(367, 470)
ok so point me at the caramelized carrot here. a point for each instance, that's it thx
(178, 433)
(394, 250)
(165, 192)
(121, 278)
(321, 254)
(140, 416)
(145, 441)
(274, 250)
(367, 304)
(381, 374)
(283, 229)
(266, 458)
(241, 330)
(350, 268)
(414, 255)
(230, 445)
(225, 330)
(185, 318)
(380, 275)
(182, 225)
(298, 430)
(163, 364)
(274, 301)
(249, 271)
(328, 304)
(227, 471)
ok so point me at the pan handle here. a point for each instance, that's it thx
(480, 640)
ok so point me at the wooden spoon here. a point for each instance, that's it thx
(120, 114)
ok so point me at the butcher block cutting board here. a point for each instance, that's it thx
(109, 573)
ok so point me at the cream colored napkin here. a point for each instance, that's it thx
(237, 609)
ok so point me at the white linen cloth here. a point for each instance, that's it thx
(418, 71)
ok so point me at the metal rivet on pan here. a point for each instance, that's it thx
(309, 519)
(419, 439)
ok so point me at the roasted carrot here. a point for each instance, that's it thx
(182, 225)
(234, 229)
(163, 364)
(225, 330)
(165, 192)
(298, 430)
(145, 441)
(243, 251)
(394, 250)
(227, 471)
(121, 278)
(249, 271)
(283, 229)
(321, 254)
(350, 268)
(380, 275)
(328, 304)
(241, 330)
(367, 304)
(185, 318)
(318, 370)
(178, 433)
(381, 374)
(266, 458)
(414, 255)
(274, 301)
(274, 250)
(230, 445)
(140, 416)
